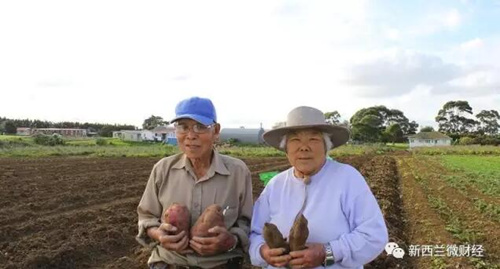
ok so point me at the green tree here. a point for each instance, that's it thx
(427, 129)
(412, 128)
(107, 131)
(370, 124)
(393, 133)
(10, 127)
(2, 126)
(153, 122)
(488, 122)
(452, 118)
(332, 117)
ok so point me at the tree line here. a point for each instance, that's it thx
(9, 126)
(379, 124)
(455, 119)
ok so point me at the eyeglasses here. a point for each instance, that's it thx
(197, 128)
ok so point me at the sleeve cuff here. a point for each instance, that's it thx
(142, 237)
(338, 255)
(242, 237)
(255, 257)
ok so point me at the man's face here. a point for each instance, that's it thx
(305, 150)
(195, 139)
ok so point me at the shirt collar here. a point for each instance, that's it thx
(217, 165)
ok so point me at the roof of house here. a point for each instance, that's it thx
(135, 131)
(59, 129)
(430, 135)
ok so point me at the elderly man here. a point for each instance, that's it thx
(346, 226)
(197, 178)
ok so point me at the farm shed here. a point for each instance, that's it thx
(429, 139)
(23, 131)
(165, 133)
(138, 136)
(62, 131)
(243, 135)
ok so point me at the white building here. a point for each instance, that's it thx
(164, 133)
(132, 135)
(243, 135)
(429, 139)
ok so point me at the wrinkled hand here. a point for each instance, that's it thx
(274, 256)
(312, 256)
(206, 246)
(178, 242)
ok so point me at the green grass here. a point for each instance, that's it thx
(453, 224)
(23, 146)
(481, 171)
(96, 151)
(489, 210)
(398, 145)
(457, 150)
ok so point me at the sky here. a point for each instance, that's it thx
(123, 61)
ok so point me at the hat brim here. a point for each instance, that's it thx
(338, 135)
(198, 118)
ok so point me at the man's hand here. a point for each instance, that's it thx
(206, 246)
(274, 256)
(312, 256)
(178, 242)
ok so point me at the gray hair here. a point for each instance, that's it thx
(326, 139)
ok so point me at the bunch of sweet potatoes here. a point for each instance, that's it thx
(178, 215)
(297, 236)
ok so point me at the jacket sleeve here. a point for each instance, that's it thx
(368, 236)
(149, 210)
(261, 215)
(242, 227)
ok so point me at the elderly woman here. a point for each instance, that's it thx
(346, 226)
(197, 177)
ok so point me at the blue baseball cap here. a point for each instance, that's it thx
(196, 108)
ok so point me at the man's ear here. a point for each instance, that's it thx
(217, 129)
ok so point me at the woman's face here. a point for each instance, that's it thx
(305, 150)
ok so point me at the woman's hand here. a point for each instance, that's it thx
(274, 256)
(312, 256)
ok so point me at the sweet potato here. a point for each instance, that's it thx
(211, 217)
(178, 216)
(274, 238)
(298, 233)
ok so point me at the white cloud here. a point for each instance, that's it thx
(399, 73)
(477, 83)
(435, 22)
(392, 34)
(452, 18)
(120, 61)
(472, 44)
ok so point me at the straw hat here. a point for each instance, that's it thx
(304, 117)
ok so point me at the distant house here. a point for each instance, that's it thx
(134, 135)
(243, 135)
(429, 139)
(73, 132)
(23, 131)
(165, 134)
